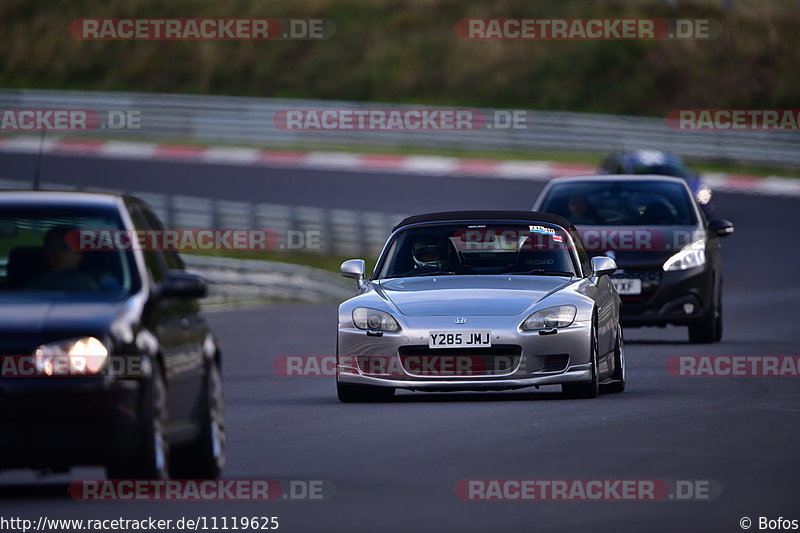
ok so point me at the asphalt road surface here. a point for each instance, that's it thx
(395, 465)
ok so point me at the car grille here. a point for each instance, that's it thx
(554, 363)
(424, 361)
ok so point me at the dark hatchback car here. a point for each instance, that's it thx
(670, 270)
(106, 358)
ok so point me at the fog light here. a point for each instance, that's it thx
(688, 308)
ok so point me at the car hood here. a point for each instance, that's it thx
(637, 247)
(469, 295)
(28, 319)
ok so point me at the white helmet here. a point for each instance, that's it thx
(431, 252)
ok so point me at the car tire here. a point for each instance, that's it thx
(350, 393)
(152, 456)
(204, 458)
(718, 325)
(592, 388)
(618, 377)
(708, 328)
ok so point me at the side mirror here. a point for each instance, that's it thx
(353, 268)
(180, 284)
(602, 265)
(721, 227)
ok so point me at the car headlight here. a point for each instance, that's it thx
(693, 255)
(550, 318)
(704, 195)
(374, 320)
(83, 356)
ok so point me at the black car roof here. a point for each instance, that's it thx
(527, 216)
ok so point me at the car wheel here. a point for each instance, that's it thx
(205, 457)
(350, 393)
(618, 377)
(592, 388)
(152, 457)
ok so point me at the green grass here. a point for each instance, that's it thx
(407, 51)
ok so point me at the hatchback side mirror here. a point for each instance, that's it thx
(180, 284)
(721, 227)
(602, 265)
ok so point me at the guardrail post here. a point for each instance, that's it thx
(251, 215)
(326, 243)
(215, 215)
(292, 219)
(361, 232)
(169, 210)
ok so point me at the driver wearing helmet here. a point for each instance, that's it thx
(431, 252)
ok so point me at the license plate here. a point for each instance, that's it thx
(459, 339)
(627, 286)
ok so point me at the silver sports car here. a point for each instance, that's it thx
(480, 300)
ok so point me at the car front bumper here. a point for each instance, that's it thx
(528, 358)
(666, 304)
(54, 423)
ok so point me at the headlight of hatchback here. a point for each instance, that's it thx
(374, 320)
(83, 356)
(693, 255)
(550, 318)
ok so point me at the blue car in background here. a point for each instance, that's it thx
(662, 164)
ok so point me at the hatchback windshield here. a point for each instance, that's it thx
(39, 252)
(624, 202)
(469, 249)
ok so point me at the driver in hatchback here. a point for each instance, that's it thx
(63, 264)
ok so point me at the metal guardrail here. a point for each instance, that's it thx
(243, 281)
(341, 232)
(244, 120)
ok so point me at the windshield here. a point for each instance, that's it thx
(469, 249)
(623, 202)
(39, 252)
